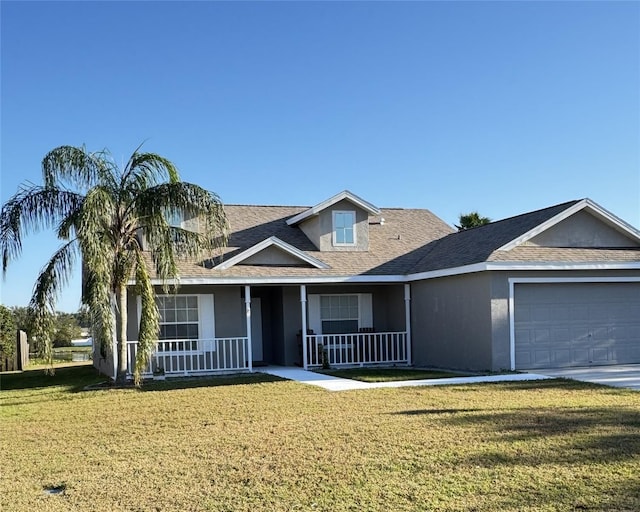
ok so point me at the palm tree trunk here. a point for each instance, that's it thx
(121, 333)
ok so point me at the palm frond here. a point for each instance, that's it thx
(149, 318)
(98, 213)
(41, 321)
(145, 170)
(77, 167)
(98, 296)
(54, 276)
(190, 201)
(32, 209)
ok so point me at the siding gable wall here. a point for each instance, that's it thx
(274, 256)
(582, 229)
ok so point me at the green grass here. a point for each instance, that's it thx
(389, 374)
(256, 443)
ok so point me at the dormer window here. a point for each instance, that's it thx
(344, 232)
(174, 218)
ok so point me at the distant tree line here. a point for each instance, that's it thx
(65, 327)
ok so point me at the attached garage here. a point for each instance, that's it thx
(563, 324)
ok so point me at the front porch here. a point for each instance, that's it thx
(183, 358)
(370, 348)
(215, 330)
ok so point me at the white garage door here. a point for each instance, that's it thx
(576, 324)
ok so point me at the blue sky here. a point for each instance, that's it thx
(500, 107)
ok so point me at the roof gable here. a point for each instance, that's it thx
(270, 242)
(477, 244)
(584, 205)
(344, 195)
(509, 240)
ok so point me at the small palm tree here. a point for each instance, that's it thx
(116, 221)
(472, 220)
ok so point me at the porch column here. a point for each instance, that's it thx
(407, 318)
(114, 353)
(247, 307)
(114, 341)
(303, 309)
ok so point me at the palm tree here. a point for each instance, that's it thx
(116, 220)
(472, 220)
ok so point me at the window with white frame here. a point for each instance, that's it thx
(339, 314)
(344, 228)
(174, 218)
(179, 319)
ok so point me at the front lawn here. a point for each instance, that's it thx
(254, 443)
(389, 374)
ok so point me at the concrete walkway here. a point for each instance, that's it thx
(620, 375)
(331, 383)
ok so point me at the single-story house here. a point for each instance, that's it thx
(348, 283)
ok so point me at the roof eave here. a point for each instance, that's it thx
(345, 194)
(272, 241)
(605, 215)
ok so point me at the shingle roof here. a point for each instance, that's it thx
(567, 254)
(481, 244)
(410, 241)
(477, 244)
(394, 247)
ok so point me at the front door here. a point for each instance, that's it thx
(256, 329)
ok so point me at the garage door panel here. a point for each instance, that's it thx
(579, 356)
(576, 324)
(560, 314)
(522, 315)
(628, 354)
(617, 332)
(601, 355)
(523, 335)
(542, 357)
(579, 313)
(539, 314)
(580, 334)
(541, 336)
(561, 334)
(598, 314)
(524, 358)
(631, 333)
(600, 333)
(560, 357)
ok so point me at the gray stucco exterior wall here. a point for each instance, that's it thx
(292, 323)
(451, 322)
(462, 322)
(228, 309)
(581, 230)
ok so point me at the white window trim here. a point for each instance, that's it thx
(333, 226)
(204, 344)
(365, 318)
(356, 295)
(175, 219)
(182, 352)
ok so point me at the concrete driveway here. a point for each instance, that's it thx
(621, 376)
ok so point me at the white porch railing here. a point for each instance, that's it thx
(194, 357)
(357, 349)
